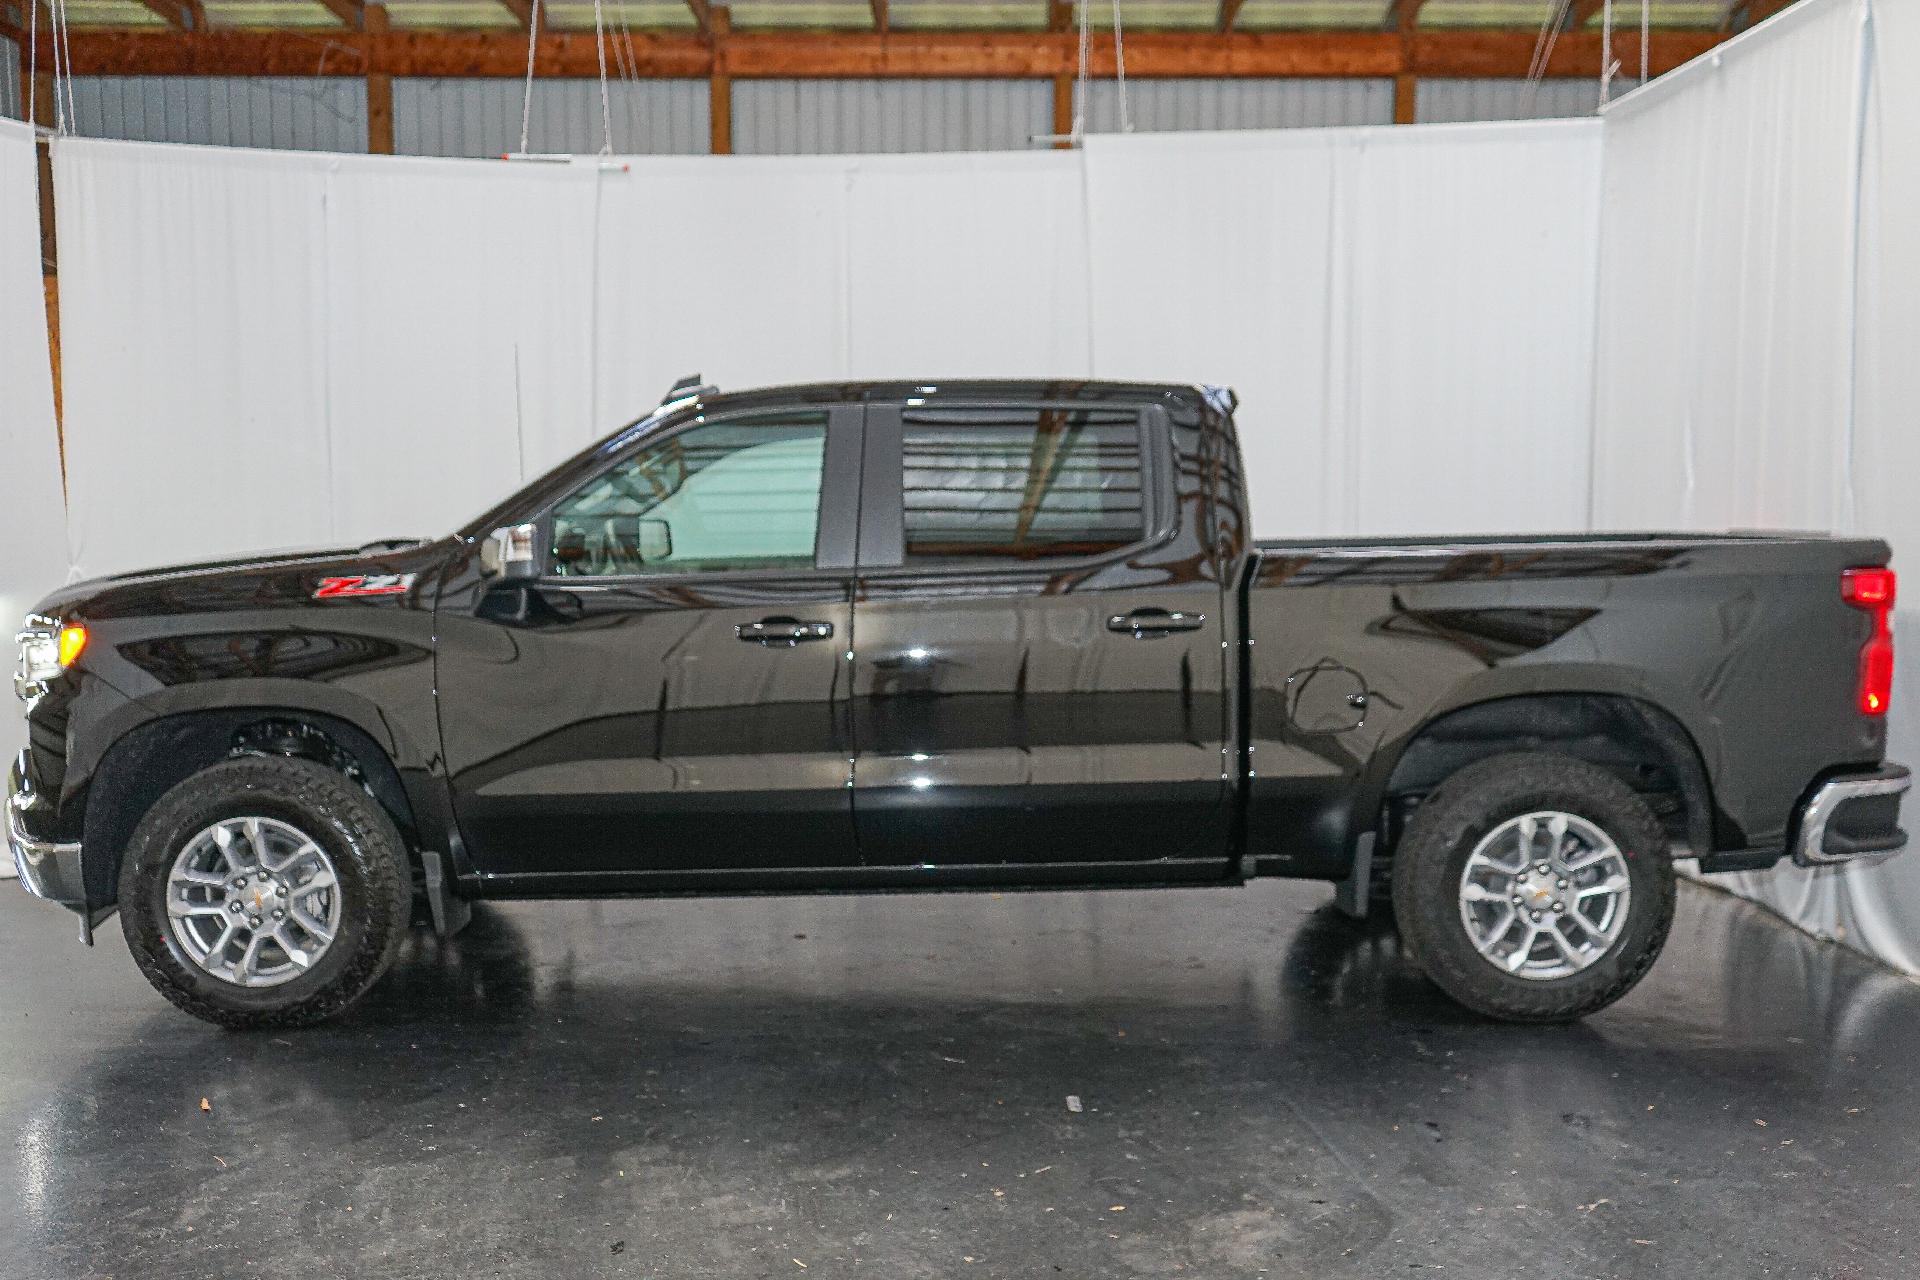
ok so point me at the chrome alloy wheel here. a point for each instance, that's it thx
(1544, 895)
(253, 901)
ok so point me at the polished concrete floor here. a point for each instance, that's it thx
(1192, 1083)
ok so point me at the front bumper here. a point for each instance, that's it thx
(48, 869)
(1852, 818)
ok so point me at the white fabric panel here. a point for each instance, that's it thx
(1406, 314)
(1879, 910)
(462, 357)
(1464, 391)
(1760, 304)
(193, 351)
(733, 269)
(1210, 260)
(1726, 284)
(968, 266)
(32, 515)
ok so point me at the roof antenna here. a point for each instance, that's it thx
(688, 388)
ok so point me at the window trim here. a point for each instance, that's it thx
(835, 529)
(882, 549)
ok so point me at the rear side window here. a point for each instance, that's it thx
(1020, 484)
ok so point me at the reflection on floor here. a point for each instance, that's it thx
(887, 1087)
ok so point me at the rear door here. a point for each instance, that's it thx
(669, 696)
(1037, 666)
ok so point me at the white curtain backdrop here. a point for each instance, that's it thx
(1406, 313)
(32, 517)
(1760, 307)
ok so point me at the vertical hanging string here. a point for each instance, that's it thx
(1081, 80)
(1120, 67)
(526, 100)
(606, 108)
(1606, 49)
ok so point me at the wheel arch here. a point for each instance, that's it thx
(1644, 744)
(150, 759)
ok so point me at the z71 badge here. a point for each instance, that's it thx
(372, 584)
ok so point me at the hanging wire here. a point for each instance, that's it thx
(526, 100)
(1607, 63)
(1120, 67)
(1083, 79)
(1543, 50)
(606, 107)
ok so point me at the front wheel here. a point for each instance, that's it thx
(1534, 887)
(265, 892)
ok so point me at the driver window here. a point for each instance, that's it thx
(742, 494)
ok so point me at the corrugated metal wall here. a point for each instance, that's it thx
(1444, 101)
(1156, 105)
(482, 117)
(302, 114)
(10, 96)
(785, 117)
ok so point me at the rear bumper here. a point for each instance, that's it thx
(1852, 818)
(48, 869)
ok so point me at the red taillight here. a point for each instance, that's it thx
(1873, 591)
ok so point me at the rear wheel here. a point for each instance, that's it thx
(265, 892)
(1534, 888)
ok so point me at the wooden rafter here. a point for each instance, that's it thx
(702, 15)
(880, 15)
(522, 11)
(1229, 14)
(352, 13)
(1404, 15)
(178, 14)
(860, 54)
(1059, 14)
(1581, 12)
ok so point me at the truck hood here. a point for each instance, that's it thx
(265, 579)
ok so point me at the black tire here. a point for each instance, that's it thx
(370, 864)
(1432, 858)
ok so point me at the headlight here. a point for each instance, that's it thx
(46, 650)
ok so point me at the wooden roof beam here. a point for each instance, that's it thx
(1404, 15)
(1582, 12)
(181, 15)
(522, 11)
(352, 13)
(702, 16)
(881, 18)
(860, 54)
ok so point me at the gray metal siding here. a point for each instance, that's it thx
(482, 117)
(1445, 101)
(12, 101)
(787, 117)
(1160, 105)
(291, 112)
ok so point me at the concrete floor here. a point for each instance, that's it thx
(881, 1087)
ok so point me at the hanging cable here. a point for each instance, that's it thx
(526, 100)
(1082, 79)
(1607, 64)
(1543, 50)
(606, 107)
(1120, 67)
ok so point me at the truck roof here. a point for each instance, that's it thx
(985, 388)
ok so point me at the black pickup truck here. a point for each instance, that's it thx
(893, 637)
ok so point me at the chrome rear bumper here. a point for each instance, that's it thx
(48, 869)
(1854, 818)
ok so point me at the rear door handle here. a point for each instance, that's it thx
(1146, 624)
(783, 631)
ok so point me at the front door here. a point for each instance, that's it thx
(669, 696)
(1038, 672)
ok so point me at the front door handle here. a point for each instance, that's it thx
(783, 631)
(1147, 624)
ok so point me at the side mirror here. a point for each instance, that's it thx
(655, 540)
(508, 553)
